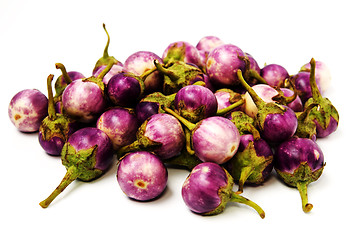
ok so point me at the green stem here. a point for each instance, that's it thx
(184, 121)
(106, 53)
(229, 108)
(71, 175)
(165, 71)
(316, 95)
(257, 100)
(106, 69)
(51, 108)
(244, 174)
(302, 188)
(188, 142)
(65, 75)
(144, 75)
(254, 74)
(240, 199)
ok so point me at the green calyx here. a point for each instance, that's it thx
(177, 74)
(79, 165)
(175, 53)
(143, 143)
(161, 99)
(248, 167)
(300, 179)
(98, 80)
(241, 121)
(193, 116)
(105, 59)
(226, 195)
(62, 81)
(184, 160)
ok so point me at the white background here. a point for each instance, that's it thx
(34, 35)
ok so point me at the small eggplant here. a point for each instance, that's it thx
(86, 155)
(161, 133)
(182, 51)
(322, 74)
(299, 161)
(142, 175)
(274, 74)
(208, 188)
(27, 109)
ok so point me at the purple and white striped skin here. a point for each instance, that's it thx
(302, 84)
(208, 188)
(167, 130)
(182, 51)
(299, 161)
(139, 63)
(200, 191)
(266, 92)
(215, 139)
(120, 125)
(279, 127)
(142, 175)
(83, 101)
(208, 43)
(27, 109)
(223, 63)
(322, 74)
(195, 102)
(115, 69)
(332, 126)
(86, 155)
(124, 90)
(274, 74)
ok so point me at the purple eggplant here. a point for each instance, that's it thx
(298, 162)
(56, 128)
(195, 102)
(302, 83)
(115, 69)
(214, 139)
(125, 89)
(182, 51)
(84, 99)
(275, 122)
(274, 74)
(120, 124)
(141, 64)
(208, 43)
(222, 64)
(253, 162)
(208, 188)
(86, 155)
(320, 117)
(322, 74)
(142, 175)
(161, 133)
(27, 109)
(105, 59)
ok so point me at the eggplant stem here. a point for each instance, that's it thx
(184, 121)
(230, 108)
(65, 75)
(51, 108)
(316, 95)
(240, 199)
(106, 53)
(245, 173)
(188, 142)
(71, 175)
(257, 100)
(165, 71)
(302, 188)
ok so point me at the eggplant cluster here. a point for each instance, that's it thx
(208, 108)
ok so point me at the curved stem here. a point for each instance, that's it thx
(184, 121)
(106, 53)
(165, 71)
(229, 108)
(51, 108)
(71, 175)
(316, 95)
(65, 75)
(302, 188)
(135, 146)
(144, 75)
(257, 100)
(106, 69)
(254, 74)
(188, 142)
(240, 199)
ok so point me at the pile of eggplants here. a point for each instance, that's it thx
(209, 109)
